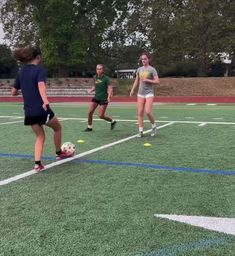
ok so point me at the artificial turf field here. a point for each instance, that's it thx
(104, 202)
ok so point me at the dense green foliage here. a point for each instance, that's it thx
(8, 66)
(185, 37)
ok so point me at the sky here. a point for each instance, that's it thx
(1, 34)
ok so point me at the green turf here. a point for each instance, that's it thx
(83, 208)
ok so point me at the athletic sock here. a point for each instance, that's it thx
(153, 125)
(89, 126)
(141, 129)
(38, 162)
(58, 152)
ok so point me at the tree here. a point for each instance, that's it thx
(8, 65)
(70, 32)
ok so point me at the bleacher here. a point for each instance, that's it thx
(63, 87)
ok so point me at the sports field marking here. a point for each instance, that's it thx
(11, 122)
(189, 117)
(211, 104)
(191, 104)
(11, 117)
(135, 120)
(181, 249)
(29, 173)
(224, 225)
(202, 124)
(161, 167)
(144, 165)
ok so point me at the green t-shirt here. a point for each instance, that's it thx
(101, 87)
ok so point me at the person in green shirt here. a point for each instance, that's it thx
(103, 93)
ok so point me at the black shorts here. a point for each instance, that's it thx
(100, 102)
(40, 120)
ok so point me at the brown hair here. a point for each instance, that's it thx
(26, 54)
(146, 54)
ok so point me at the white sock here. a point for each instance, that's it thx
(89, 126)
(153, 125)
(141, 129)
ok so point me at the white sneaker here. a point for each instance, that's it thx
(154, 131)
(140, 135)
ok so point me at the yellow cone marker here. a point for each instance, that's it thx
(80, 141)
(147, 144)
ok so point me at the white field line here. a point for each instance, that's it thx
(202, 124)
(11, 117)
(12, 122)
(224, 225)
(135, 120)
(29, 173)
(158, 121)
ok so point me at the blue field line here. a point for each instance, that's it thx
(25, 156)
(187, 247)
(152, 166)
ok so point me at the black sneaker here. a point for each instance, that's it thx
(113, 125)
(88, 130)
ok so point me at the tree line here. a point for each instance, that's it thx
(185, 37)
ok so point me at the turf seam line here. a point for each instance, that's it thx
(135, 120)
(11, 122)
(29, 173)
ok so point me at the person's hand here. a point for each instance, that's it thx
(45, 106)
(89, 90)
(131, 92)
(144, 79)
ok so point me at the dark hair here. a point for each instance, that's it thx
(26, 54)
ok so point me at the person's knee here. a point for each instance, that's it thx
(58, 128)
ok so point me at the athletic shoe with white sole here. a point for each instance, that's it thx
(38, 167)
(140, 135)
(154, 131)
(64, 155)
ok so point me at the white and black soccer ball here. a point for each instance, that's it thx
(69, 148)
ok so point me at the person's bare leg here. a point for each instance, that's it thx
(149, 109)
(91, 111)
(149, 113)
(39, 143)
(56, 126)
(102, 115)
(140, 106)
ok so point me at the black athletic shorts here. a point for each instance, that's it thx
(100, 102)
(40, 120)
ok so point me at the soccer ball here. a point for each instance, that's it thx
(69, 148)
